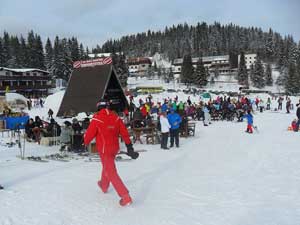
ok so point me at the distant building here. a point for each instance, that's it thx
(250, 59)
(139, 65)
(29, 82)
(101, 55)
(210, 62)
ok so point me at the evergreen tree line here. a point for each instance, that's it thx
(56, 57)
(185, 41)
(190, 75)
(206, 40)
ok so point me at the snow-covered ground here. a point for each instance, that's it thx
(222, 176)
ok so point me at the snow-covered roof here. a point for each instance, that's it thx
(23, 70)
(205, 59)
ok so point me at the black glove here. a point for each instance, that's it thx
(131, 152)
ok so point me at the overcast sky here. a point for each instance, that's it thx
(94, 21)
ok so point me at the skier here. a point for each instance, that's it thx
(298, 116)
(268, 104)
(1, 187)
(50, 113)
(174, 120)
(207, 117)
(106, 127)
(249, 118)
(288, 105)
(280, 103)
(165, 128)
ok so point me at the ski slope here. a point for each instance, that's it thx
(222, 176)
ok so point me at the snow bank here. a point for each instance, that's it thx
(10, 97)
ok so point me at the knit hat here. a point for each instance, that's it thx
(101, 104)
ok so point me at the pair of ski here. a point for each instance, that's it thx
(33, 158)
(119, 156)
(57, 157)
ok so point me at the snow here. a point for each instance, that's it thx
(19, 70)
(160, 61)
(10, 97)
(221, 176)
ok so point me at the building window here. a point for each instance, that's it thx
(179, 68)
(5, 83)
(7, 73)
(23, 83)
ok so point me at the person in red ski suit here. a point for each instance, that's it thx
(106, 127)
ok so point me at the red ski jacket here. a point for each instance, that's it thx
(106, 126)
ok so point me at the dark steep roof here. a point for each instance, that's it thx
(87, 86)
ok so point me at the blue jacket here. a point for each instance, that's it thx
(174, 120)
(164, 107)
(249, 118)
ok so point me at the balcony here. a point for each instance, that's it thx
(24, 78)
(26, 88)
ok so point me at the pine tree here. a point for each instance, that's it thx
(292, 82)
(39, 53)
(200, 75)
(23, 53)
(258, 78)
(82, 54)
(2, 60)
(62, 62)
(270, 51)
(31, 50)
(14, 61)
(74, 47)
(49, 55)
(242, 75)
(282, 78)
(187, 70)
(6, 49)
(269, 79)
(121, 68)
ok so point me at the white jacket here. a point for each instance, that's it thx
(164, 123)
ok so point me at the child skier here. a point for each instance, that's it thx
(249, 118)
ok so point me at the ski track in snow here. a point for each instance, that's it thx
(222, 176)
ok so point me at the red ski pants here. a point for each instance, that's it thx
(110, 175)
(249, 128)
